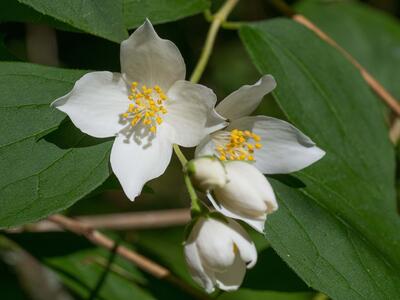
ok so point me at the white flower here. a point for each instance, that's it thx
(247, 196)
(207, 173)
(218, 252)
(148, 107)
(272, 145)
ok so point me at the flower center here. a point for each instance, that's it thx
(146, 107)
(238, 145)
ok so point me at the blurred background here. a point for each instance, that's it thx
(79, 265)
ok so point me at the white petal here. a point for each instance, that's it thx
(240, 172)
(206, 146)
(139, 158)
(215, 122)
(231, 279)
(247, 249)
(192, 257)
(285, 148)
(150, 60)
(246, 99)
(95, 103)
(189, 106)
(256, 223)
(215, 245)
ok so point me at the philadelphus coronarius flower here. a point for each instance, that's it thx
(235, 188)
(148, 107)
(217, 252)
(272, 145)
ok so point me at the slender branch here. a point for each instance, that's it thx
(120, 221)
(390, 101)
(219, 17)
(372, 82)
(139, 260)
(226, 24)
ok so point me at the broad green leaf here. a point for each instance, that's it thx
(245, 294)
(340, 231)
(160, 11)
(371, 36)
(103, 19)
(40, 176)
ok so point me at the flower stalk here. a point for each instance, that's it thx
(217, 20)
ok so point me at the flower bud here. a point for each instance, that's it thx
(217, 252)
(247, 196)
(206, 173)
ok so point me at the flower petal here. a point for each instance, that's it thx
(246, 99)
(95, 103)
(285, 148)
(150, 60)
(139, 158)
(189, 106)
(245, 245)
(215, 122)
(215, 245)
(256, 223)
(206, 146)
(196, 269)
(232, 279)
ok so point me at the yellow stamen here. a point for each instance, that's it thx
(147, 106)
(238, 145)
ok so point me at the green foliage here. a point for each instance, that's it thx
(339, 232)
(371, 36)
(160, 11)
(41, 176)
(108, 19)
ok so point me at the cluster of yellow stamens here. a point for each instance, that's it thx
(240, 145)
(147, 106)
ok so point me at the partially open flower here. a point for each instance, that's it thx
(147, 107)
(207, 173)
(272, 145)
(217, 252)
(248, 196)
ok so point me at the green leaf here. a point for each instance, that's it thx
(339, 232)
(160, 11)
(371, 36)
(41, 176)
(245, 294)
(104, 19)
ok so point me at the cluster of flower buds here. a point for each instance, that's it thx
(218, 250)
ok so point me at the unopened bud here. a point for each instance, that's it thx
(207, 173)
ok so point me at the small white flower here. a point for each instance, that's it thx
(148, 107)
(248, 196)
(218, 252)
(207, 173)
(272, 145)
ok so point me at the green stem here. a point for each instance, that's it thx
(216, 23)
(180, 155)
(195, 202)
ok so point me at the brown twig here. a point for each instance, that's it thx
(139, 260)
(372, 82)
(120, 221)
(378, 88)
